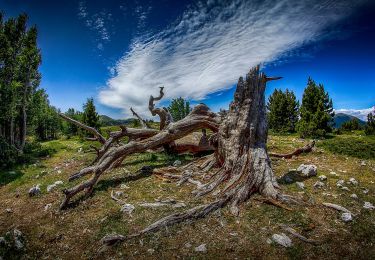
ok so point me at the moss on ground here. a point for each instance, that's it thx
(75, 232)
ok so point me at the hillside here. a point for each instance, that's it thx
(341, 118)
(107, 121)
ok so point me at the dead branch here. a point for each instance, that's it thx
(143, 122)
(164, 115)
(92, 130)
(306, 149)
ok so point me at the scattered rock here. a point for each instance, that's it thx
(308, 170)
(282, 240)
(339, 183)
(365, 191)
(334, 174)
(127, 208)
(34, 190)
(16, 239)
(346, 217)
(354, 196)
(177, 163)
(151, 251)
(363, 163)
(59, 171)
(47, 206)
(201, 248)
(345, 188)
(319, 185)
(54, 185)
(353, 181)
(119, 193)
(300, 185)
(187, 245)
(368, 205)
(8, 210)
(80, 150)
(322, 177)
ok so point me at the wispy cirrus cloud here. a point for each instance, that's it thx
(97, 23)
(212, 44)
(359, 113)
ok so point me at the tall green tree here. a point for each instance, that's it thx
(89, 116)
(316, 112)
(179, 108)
(282, 111)
(19, 77)
(71, 129)
(370, 126)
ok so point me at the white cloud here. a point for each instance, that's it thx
(96, 23)
(214, 43)
(359, 113)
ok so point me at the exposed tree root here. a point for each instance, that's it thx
(306, 149)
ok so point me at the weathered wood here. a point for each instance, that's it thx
(143, 122)
(163, 113)
(92, 130)
(306, 149)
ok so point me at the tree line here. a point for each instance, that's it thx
(313, 118)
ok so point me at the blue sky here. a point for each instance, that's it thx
(119, 52)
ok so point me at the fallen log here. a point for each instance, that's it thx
(306, 149)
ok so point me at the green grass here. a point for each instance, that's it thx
(358, 146)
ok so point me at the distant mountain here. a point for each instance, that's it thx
(341, 118)
(107, 121)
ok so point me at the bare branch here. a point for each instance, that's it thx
(306, 149)
(163, 113)
(92, 130)
(143, 122)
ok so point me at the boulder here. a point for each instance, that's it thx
(282, 240)
(35, 190)
(307, 170)
(201, 248)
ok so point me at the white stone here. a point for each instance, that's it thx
(353, 181)
(187, 245)
(59, 182)
(363, 163)
(47, 206)
(346, 217)
(127, 208)
(177, 163)
(322, 177)
(282, 240)
(334, 174)
(339, 183)
(80, 150)
(308, 170)
(151, 251)
(318, 184)
(365, 191)
(8, 210)
(201, 248)
(124, 186)
(300, 185)
(50, 187)
(34, 190)
(354, 196)
(345, 188)
(59, 171)
(368, 205)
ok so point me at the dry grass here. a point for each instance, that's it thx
(74, 233)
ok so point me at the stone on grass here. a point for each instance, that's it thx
(282, 240)
(124, 186)
(201, 248)
(318, 185)
(339, 183)
(151, 251)
(127, 208)
(322, 177)
(346, 217)
(334, 174)
(47, 206)
(345, 188)
(187, 245)
(8, 210)
(177, 163)
(354, 196)
(300, 185)
(368, 205)
(54, 185)
(365, 191)
(353, 181)
(35, 190)
(363, 163)
(307, 170)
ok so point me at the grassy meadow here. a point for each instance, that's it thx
(75, 232)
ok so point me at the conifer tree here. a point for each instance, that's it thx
(89, 116)
(179, 108)
(370, 126)
(282, 111)
(316, 112)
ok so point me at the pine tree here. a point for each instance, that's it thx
(179, 108)
(316, 111)
(370, 126)
(89, 116)
(282, 111)
(71, 129)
